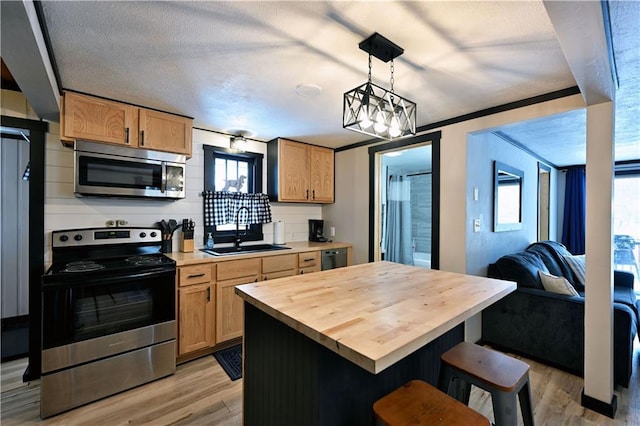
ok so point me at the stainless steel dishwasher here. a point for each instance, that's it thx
(334, 258)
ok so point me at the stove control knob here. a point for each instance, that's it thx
(77, 237)
(64, 238)
(142, 235)
(153, 234)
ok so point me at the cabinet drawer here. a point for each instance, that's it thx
(278, 274)
(195, 274)
(311, 258)
(279, 263)
(309, 269)
(238, 268)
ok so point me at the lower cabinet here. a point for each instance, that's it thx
(229, 306)
(196, 308)
(210, 312)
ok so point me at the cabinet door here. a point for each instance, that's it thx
(98, 120)
(322, 172)
(293, 171)
(230, 309)
(197, 318)
(165, 132)
(309, 262)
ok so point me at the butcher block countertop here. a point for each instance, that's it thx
(374, 314)
(198, 256)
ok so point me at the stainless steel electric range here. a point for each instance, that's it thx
(108, 315)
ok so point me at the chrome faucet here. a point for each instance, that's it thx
(238, 240)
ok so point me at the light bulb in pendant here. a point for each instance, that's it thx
(363, 118)
(394, 128)
(379, 125)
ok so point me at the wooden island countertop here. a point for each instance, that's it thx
(374, 314)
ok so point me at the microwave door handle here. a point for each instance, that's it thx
(163, 184)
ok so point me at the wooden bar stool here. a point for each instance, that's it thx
(504, 377)
(419, 403)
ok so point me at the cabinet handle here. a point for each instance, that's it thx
(196, 275)
(208, 294)
(314, 194)
(307, 196)
(256, 280)
(126, 132)
(301, 271)
(142, 138)
(265, 278)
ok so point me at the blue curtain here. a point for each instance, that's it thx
(573, 226)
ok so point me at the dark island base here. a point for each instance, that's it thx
(291, 380)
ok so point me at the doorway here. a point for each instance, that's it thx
(14, 250)
(36, 131)
(404, 200)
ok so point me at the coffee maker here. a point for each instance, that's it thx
(316, 230)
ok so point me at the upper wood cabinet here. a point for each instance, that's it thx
(100, 120)
(165, 132)
(95, 119)
(299, 172)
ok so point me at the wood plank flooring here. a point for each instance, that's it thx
(200, 393)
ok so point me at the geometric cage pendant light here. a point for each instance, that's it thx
(375, 111)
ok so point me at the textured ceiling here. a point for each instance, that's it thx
(235, 65)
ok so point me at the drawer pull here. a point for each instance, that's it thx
(196, 275)
(309, 260)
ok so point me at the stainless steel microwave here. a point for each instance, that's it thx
(110, 170)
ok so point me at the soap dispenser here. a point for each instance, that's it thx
(209, 241)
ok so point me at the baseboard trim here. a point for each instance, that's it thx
(598, 406)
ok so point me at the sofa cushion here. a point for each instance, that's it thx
(520, 267)
(577, 264)
(558, 285)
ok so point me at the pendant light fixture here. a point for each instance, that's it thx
(375, 111)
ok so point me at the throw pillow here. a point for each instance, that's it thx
(558, 285)
(577, 265)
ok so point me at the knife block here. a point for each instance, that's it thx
(186, 243)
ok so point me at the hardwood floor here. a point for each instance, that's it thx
(200, 393)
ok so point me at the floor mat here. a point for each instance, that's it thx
(231, 361)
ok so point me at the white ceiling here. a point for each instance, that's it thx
(235, 65)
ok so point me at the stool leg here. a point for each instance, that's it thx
(505, 408)
(526, 405)
(462, 390)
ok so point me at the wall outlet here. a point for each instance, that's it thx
(332, 231)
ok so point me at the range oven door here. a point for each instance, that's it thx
(85, 319)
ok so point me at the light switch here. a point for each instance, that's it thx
(476, 225)
(476, 193)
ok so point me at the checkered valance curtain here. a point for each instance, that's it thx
(221, 208)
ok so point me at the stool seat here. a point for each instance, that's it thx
(504, 377)
(419, 403)
(491, 367)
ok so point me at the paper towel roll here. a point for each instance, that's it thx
(278, 232)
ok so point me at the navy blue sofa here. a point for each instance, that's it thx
(549, 327)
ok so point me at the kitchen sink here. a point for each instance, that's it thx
(226, 251)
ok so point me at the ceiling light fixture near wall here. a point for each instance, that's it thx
(375, 111)
(239, 142)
